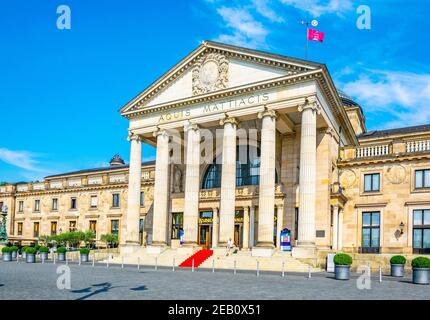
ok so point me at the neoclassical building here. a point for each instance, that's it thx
(247, 143)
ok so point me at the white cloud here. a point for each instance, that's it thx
(403, 96)
(318, 8)
(246, 31)
(263, 8)
(21, 159)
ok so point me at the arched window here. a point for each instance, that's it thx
(247, 173)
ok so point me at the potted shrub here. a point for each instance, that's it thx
(397, 266)
(84, 254)
(30, 254)
(342, 266)
(421, 270)
(7, 254)
(14, 252)
(23, 253)
(44, 253)
(61, 253)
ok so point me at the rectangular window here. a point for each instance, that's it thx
(142, 199)
(55, 204)
(21, 206)
(372, 182)
(72, 226)
(36, 229)
(422, 179)
(19, 228)
(114, 227)
(421, 231)
(93, 226)
(177, 224)
(36, 205)
(73, 203)
(53, 228)
(371, 232)
(115, 200)
(94, 202)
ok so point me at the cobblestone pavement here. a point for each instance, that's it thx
(39, 281)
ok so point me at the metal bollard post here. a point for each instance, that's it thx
(380, 274)
(43, 259)
(213, 265)
(17, 258)
(173, 265)
(156, 263)
(53, 258)
(67, 261)
(283, 269)
(138, 263)
(107, 262)
(192, 266)
(122, 262)
(79, 260)
(310, 272)
(94, 259)
(258, 268)
(234, 270)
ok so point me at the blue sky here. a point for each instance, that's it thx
(60, 90)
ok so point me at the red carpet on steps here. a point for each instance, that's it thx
(199, 257)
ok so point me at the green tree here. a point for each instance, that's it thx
(109, 239)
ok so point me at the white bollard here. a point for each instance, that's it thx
(53, 256)
(213, 265)
(122, 262)
(173, 265)
(107, 262)
(79, 260)
(138, 263)
(380, 274)
(258, 268)
(17, 258)
(192, 266)
(94, 259)
(67, 261)
(156, 263)
(234, 269)
(43, 259)
(310, 272)
(283, 269)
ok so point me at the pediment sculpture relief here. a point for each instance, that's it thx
(210, 73)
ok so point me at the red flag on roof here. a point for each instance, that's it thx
(315, 35)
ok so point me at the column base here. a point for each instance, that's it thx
(262, 251)
(156, 249)
(304, 252)
(129, 248)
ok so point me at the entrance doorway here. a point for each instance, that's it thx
(204, 236)
(205, 230)
(238, 229)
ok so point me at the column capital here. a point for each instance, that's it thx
(132, 136)
(191, 126)
(267, 113)
(159, 132)
(229, 119)
(309, 105)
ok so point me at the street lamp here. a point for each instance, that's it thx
(3, 232)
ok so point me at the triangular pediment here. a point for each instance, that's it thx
(213, 67)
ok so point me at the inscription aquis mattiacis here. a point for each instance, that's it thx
(223, 106)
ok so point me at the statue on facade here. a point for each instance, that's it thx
(177, 180)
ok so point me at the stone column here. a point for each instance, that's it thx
(306, 232)
(340, 231)
(134, 185)
(267, 179)
(228, 181)
(335, 227)
(245, 245)
(215, 229)
(161, 189)
(252, 226)
(191, 206)
(279, 224)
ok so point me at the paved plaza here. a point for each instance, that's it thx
(39, 281)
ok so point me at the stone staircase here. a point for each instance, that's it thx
(242, 259)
